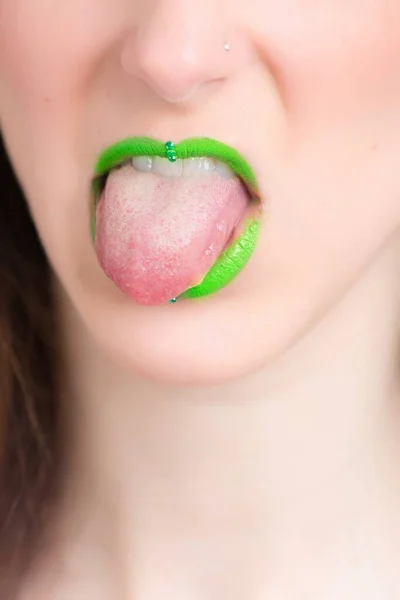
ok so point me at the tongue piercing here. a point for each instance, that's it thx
(171, 152)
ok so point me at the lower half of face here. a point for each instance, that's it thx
(304, 111)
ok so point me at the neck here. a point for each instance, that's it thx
(257, 471)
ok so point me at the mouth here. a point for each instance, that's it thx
(209, 163)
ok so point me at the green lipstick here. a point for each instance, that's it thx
(235, 257)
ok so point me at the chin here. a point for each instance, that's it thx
(209, 341)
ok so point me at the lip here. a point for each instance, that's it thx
(236, 256)
(128, 148)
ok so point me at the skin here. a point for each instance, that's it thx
(288, 478)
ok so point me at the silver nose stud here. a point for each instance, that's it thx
(227, 47)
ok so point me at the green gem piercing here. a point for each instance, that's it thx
(171, 152)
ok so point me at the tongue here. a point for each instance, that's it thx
(158, 236)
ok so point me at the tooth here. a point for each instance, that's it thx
(143, 163)
(166, 168)
(191, 167)
(224, 171)
(198, 167)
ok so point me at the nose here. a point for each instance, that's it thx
(179, 46)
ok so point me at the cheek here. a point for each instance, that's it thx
(48, 55)
(38, 77)
(332, 59)
(335, 190)
(35, 67)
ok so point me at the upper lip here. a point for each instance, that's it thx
(118, 153)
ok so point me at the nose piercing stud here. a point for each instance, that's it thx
(227, 47)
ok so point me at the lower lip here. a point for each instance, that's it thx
(232, 260)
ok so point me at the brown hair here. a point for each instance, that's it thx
(30, 446)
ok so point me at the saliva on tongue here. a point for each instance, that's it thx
(158, 236)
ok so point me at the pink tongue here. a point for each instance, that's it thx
(158, 236)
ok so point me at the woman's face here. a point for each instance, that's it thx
(309, 93)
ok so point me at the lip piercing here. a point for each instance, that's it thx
(171, 152)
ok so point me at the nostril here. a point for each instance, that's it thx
(177, 52)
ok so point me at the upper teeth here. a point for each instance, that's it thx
(191, 167)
